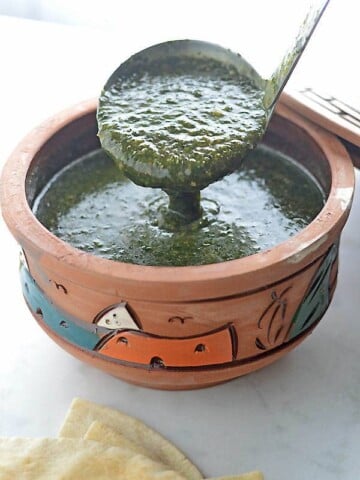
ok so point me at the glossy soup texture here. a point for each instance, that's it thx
(182, 123)
(91, 205)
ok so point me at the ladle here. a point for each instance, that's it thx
(184, 187)
(275, 85)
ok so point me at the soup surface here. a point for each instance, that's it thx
(91, 205)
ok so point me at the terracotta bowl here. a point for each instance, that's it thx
(180, 327)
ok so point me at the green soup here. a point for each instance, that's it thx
(91, 205)
(180, 124)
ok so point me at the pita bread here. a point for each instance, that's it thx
(105, 434)
(75, 459)
(245, 476)
(83, 413)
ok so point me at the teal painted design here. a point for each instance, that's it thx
(317, 298)
(57, 321)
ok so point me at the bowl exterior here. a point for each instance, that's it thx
(181, 327)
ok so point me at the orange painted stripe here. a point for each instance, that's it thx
(211, 349)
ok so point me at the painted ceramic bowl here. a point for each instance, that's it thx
(176, 327)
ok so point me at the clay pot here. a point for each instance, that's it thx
(180, 327)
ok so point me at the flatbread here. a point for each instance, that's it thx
(75, 459)
(102, 433)
(245, 476)
(105, 434)
(83, 413)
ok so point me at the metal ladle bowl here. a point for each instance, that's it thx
(199, 49)
(185, 199)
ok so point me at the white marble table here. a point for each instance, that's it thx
(297, 419)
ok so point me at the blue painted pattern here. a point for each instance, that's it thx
(317, 298)
(52, 316)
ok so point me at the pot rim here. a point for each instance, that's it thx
(29, 231)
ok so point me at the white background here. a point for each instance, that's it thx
(299, 418)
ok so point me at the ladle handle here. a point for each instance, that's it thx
(276, 83)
